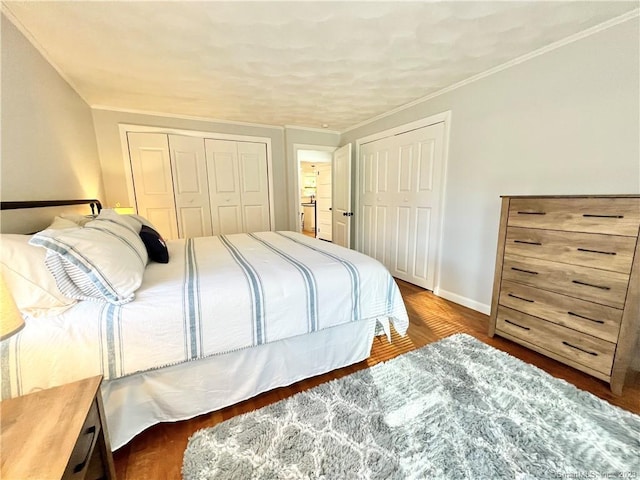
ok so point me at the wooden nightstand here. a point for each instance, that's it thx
(56, 433)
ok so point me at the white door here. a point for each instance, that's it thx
(224, 186)
(341, 218)
(152, 181)
(254, 186)
(190, 186)
(238, 186)
(400, 180)
(323, 202)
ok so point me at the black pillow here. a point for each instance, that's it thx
(156, 248)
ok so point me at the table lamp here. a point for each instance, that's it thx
(124, 210)
(11, 320)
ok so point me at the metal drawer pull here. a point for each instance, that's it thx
(601, 216)
(581, 349)
(519, 326)
(532, 213)
(79, 467)
(601, 287)
(524, 271)
(586, 318)
(521, 298)
(596, 251)
(528, 243)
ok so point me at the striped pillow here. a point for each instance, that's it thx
(102, 261)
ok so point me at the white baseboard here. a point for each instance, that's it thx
(464, 301)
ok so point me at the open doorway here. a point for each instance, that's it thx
(314, 192)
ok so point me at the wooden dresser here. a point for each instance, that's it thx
(567, 280)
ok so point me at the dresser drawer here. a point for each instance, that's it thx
(587, 317)
(612, 216)
(584, 349)
(607, 252)
(81, 455)
(599, 286)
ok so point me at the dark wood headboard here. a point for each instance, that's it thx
(93, 203)
(15, 220)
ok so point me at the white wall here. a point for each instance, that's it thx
(566, 122)
(111, 157)
(48, 144)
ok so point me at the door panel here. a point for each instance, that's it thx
(225, 171)
(368, 240)
(425, 166)
(195, 221)
(229, 219)
(403, 241)
(254, 218)
(341, 228)
(254, 186)
(153, 182)
(155, 178)
(381, 235)
(323, 202)
(224, 186)
(423, 223)
(401, 176)
(190, 185)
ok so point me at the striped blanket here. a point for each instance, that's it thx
(216, 295)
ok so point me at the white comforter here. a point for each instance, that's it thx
(216, 295)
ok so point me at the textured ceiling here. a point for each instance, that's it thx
(281, 63)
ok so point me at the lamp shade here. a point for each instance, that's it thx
(10, 318)
(125, 210)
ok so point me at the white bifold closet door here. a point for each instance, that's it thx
(153, 181)
(400, 179)
(188, 186)
(238, 186)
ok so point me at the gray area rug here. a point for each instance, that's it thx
(454, 409)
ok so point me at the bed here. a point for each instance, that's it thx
(225, 319)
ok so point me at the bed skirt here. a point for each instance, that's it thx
(136, 402)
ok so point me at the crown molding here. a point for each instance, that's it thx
(312, 129)
(184, 117)
(511, 63)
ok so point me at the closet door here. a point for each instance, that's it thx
(224, 186)
(190, 186)
(238, 186)
(254, 186)
(400, 180)
(152, 178)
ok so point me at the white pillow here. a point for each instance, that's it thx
(142, 220)
(60, 223)
(29, 280)
(128, 221)
(102, 261)
(80, 220)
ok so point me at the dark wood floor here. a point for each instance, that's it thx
(157, 452)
